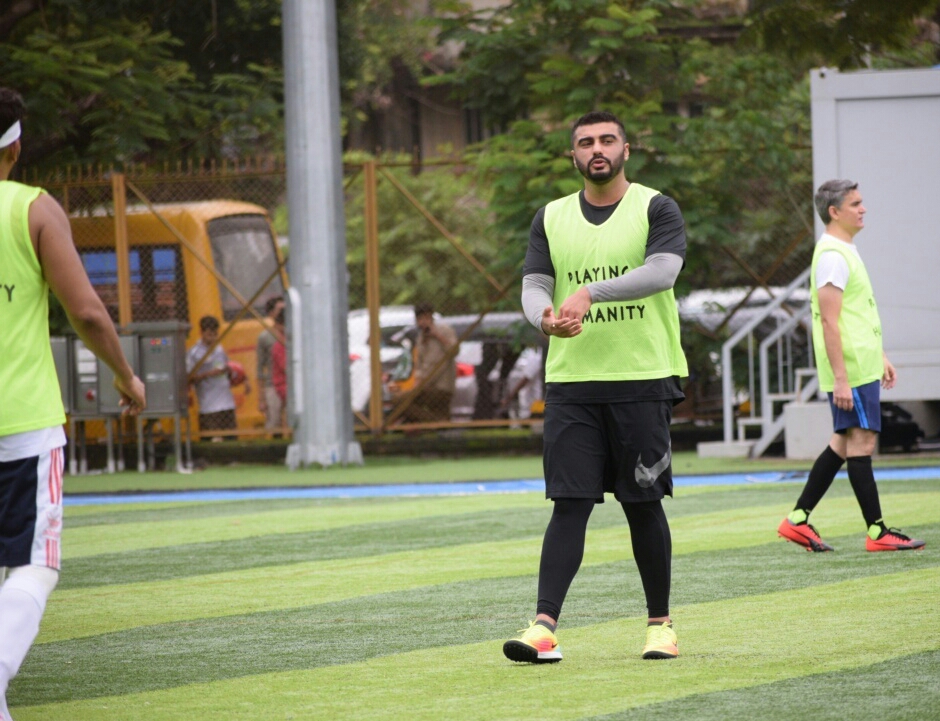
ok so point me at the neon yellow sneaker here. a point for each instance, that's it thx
(661, 642)
(536, 645)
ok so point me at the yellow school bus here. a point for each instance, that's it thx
(189, 260)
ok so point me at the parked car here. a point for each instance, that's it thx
(392, 319)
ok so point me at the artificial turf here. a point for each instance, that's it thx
(397, 608)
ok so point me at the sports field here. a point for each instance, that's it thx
(397, 608)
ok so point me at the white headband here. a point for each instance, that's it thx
(11, 135)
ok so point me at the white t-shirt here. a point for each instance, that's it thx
(214, 394)
(832, 266)
(31, 443)
(530, 365)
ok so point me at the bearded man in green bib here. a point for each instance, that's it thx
(598, 281)
(853, 369)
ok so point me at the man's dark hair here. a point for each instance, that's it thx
(208, 322)
(598, 116)
(271, 302)
(12, 108)
(423, 308)
(279, 318)
(832, 193)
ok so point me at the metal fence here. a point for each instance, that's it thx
(180, 243)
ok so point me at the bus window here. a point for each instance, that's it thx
(101, 267)
(163, 293)
(244, 253)
(157, 288)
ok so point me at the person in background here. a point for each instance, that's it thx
(211, 380)
(853, 368)
(37, 254)
(436, 342)
(528, 388)
(279, 359)
(269, 403)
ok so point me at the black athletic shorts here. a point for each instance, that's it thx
(597, 448)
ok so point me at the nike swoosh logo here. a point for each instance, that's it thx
(646, 477)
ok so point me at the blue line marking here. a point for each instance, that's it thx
(450, 489)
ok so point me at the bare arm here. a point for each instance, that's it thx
(890, 376)
(830, 307)
(63, 270)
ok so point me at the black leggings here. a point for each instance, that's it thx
(563, 550)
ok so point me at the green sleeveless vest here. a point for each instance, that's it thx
(859, 324)
(29, 387)
(622, 340)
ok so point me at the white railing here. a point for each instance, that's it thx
(783, 336)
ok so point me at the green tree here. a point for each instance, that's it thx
(417, 262)
(842, 34)
(116, 81)
(721, 126)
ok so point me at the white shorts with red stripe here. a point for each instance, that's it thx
(31, 510)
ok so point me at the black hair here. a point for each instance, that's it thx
(423, 308)
(12, 108)
(598, 116)
(271, 302)
(208, 322)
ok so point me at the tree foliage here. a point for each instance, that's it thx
(721, 126)
(838, 33)
(116, 81)
(418, 262)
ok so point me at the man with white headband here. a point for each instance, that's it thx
(37, 255)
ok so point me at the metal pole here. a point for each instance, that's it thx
(121, 249)
(373, 297)
(317, 234)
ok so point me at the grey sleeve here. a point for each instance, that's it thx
(537, 293)
(657, 274)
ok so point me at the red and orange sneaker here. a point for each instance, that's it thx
(803, 534)
(890, 539)
(537, 644)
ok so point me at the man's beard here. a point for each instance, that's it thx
(601, 176)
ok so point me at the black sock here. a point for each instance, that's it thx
(548, 624)
(820, 478)
(862, 479)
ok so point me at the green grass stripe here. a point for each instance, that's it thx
(123, 537)
(725, 645)
(77, 514)
(84, 612)
(168, 655)
(387, 470)
(902, 689)
(517, 516)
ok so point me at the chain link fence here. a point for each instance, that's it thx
(180, 244)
